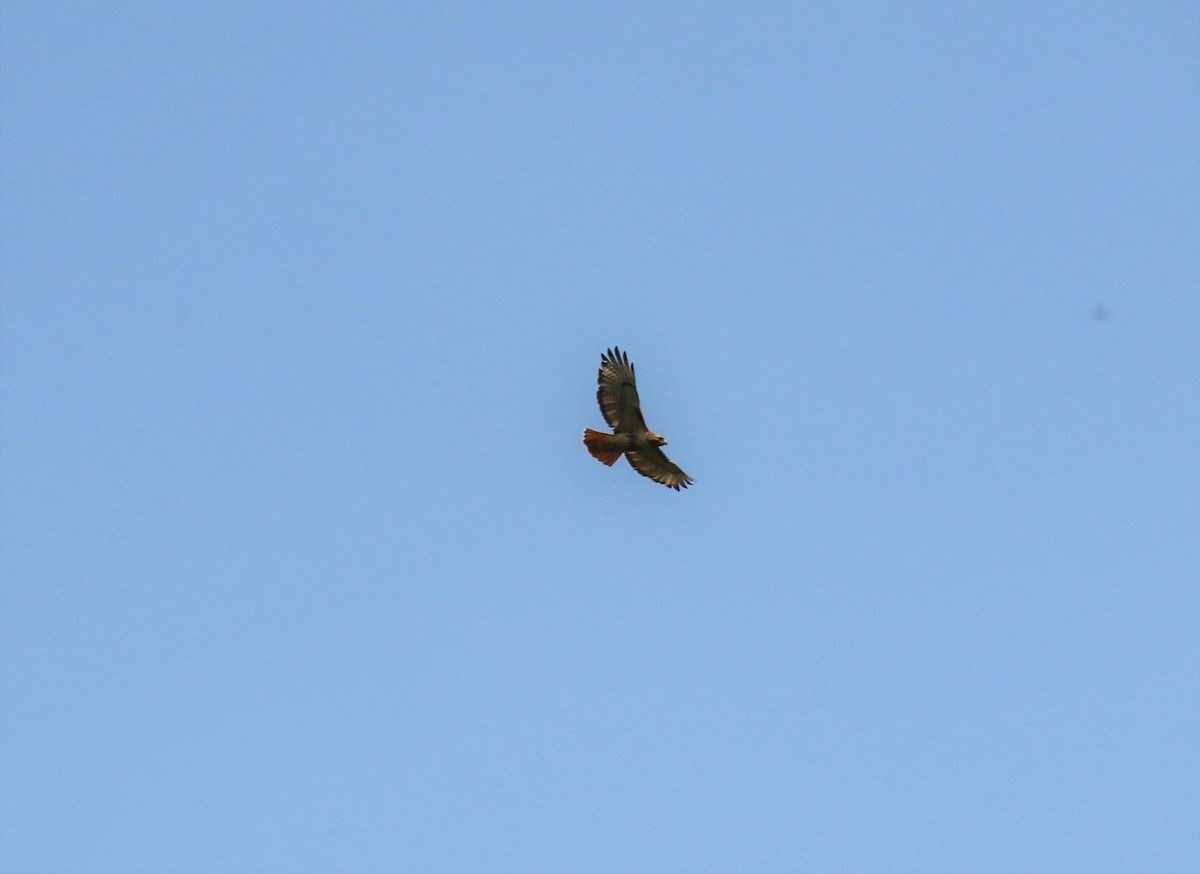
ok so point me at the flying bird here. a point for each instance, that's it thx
(618, 399)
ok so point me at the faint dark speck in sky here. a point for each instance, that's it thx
(1100, 312)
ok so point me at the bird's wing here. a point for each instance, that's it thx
(617, 394)
(651, 461)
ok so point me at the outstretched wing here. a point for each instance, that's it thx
(651, 461)
(617, 394)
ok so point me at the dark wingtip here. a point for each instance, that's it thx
(618, 358)
(615, 357)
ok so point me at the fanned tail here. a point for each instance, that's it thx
(601, 446)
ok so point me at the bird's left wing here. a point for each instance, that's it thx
(617, 394)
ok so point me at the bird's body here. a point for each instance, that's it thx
(618, 399)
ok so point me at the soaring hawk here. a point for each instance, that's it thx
(618, 399)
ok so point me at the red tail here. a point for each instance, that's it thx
(600, 445)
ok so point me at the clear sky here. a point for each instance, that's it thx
(305, 567)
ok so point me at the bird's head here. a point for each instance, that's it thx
(656, 439)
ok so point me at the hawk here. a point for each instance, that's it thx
(618, 399)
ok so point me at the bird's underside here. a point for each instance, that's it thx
(618, 399)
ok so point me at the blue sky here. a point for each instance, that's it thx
(306, 569)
